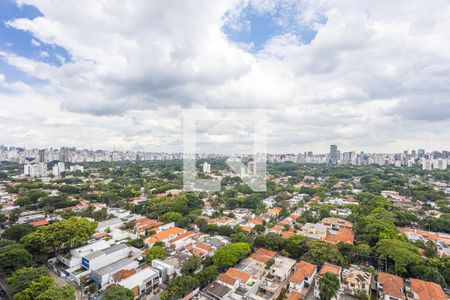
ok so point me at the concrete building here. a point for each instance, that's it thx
(102, 258)
(303, 278)
(105, 275)
(144, 281)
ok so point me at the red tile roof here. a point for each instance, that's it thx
(327, 267)
(261, 258)
(188, 234)
(163, 235)
(262, 251)
(295, 296)
(392, 285)
(227, 279)
(345, 235)
(238, 275)
(39, 223)
(427, 290)
(302, 269)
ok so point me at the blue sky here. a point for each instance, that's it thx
(262, 27)
(23, 43)
(265, 25)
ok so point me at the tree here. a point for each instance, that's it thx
(21, 278)
(328, 286)
(295, 246)
(45, 289)
(59, 236)
(428, 273)
(207, 275)
(36, 288)
(179, 287)
(16, 232)
(403, 254)
(117, 292)
(242, 237)
(13, 257)
(155, 252)
(260, 228)
(138, 243)
(230, 254)
(320, 252)
(172, 216)
(191, 265)
(272, 241)
(65, 292)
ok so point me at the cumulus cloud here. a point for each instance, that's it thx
(375, 76)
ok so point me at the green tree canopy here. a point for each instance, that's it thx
(117, 292)
(403, 254)
(320, 252)
(45, 289)
(191, 265)
(13, 257)
(60, 236)
(21, 278)
(328, 286)
(272, 241)
(155, 252)
(17, 231)
(207, 275)
(179, 287)
(230, 254)
(295, 246)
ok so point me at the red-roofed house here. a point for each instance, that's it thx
(303, 277)
(425, 290)
(164, 236)
(262, 251)
(199, 249)
(39, 223)
(390, 286)
(182, 240)
(326, 268)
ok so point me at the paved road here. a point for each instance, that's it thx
(3, 287)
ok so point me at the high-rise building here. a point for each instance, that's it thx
(421, 152)
(333, 154)
(42, 156)
(58, 169)
(35, 170)
(64, 154)
(206, 168)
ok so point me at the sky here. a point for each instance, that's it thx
(368, 76)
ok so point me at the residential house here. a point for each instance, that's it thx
(390, 287)
(303, 278)
(355, 280)
(425, 290)
(326, 268)
(142, 282)
(164, 236)
(271, 285)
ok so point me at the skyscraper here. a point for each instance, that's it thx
(333, 154)
(42, 155)
(64, 154)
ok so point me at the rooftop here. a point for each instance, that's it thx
(392, 285)
(330, 268)
(427, 290)
(116, 266)
(302, 269)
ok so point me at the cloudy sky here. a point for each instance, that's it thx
(366, 75)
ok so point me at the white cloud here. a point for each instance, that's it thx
(375, 77)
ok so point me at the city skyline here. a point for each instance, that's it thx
(370, 76)
(324, 152)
